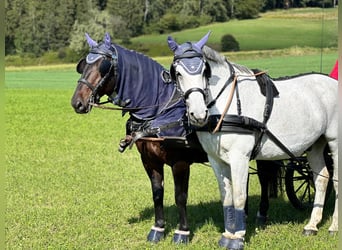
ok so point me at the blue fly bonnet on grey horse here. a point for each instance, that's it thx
(300, 115)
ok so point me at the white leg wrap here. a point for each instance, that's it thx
(158, 229)
(182, 232)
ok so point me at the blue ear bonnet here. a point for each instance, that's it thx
(99, 52)
(187, 47)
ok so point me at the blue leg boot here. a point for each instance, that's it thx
(156, 234)
(181, 237)
(229, 224)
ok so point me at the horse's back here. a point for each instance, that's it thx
(316, 84)
(305, 110)
(312, 96)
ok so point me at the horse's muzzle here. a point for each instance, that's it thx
(80, 107)
(199, 120)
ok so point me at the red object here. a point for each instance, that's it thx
(334, 72)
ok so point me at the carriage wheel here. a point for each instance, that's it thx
(299, 184)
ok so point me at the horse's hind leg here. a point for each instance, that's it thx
(267, 174)
(321, 177)
(181, 173)
(334, 151)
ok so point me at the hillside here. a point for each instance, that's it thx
(311, 27)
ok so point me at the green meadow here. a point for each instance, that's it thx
(68, 187)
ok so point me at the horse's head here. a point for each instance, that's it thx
(98, 75)
(191, 72)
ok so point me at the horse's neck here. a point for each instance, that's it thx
(140, 82)
(220, 74)
(223, 77)
(136, 71)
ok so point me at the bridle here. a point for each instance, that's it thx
(190, 53)
(108, 68)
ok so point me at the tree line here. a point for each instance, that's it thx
(36, 27)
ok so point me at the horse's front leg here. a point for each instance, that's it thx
(156, 175)
(181, 173)
(154, 167)
(233, 180)
(223, 177)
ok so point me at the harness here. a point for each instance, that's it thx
(239, 123)
(243, 124)
(138, 128)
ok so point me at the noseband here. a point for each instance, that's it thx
(94, 97)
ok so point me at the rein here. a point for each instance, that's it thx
(100, 105)
(229, 101)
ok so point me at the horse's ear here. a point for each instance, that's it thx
(107, 40)
(80, 66)
(90, 41)
(203, 41)
(172, 43)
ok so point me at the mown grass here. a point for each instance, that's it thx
(67, 186)
(273, 30)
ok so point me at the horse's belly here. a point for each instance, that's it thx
(221, 144)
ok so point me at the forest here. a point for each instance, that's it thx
(35, 27)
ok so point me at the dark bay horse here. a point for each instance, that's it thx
(144, 90)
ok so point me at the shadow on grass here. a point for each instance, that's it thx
(281, 211)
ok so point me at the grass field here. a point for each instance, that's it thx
(67, 186)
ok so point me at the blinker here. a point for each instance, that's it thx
(104, 67)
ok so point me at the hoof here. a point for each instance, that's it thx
(181, 237)
(333, 233)
(309, 232)
(261, 222)
(223, 242)
(231, 244)
(155, 235)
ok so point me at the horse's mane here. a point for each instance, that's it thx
(214, 56)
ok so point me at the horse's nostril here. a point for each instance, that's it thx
(78, 105)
